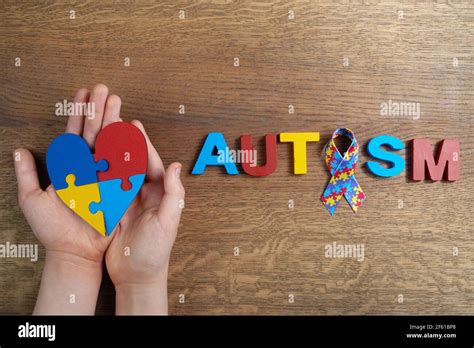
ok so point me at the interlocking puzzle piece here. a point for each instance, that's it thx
(124, 147)
(78, 199)
(114, 200)
(70, 154)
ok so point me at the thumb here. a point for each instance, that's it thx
(26, 174)
(172, 203)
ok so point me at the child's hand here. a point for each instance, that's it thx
(137, 259)
(74, 250)
(140, 247)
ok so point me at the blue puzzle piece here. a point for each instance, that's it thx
(70, 154)
(114, 201)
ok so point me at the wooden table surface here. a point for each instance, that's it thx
(335, 63)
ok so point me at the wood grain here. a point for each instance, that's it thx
(189, 62)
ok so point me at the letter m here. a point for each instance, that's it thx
(447, 163)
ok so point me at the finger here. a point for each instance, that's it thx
(93, 123)
(112, 110)
(75, 122)
(155, 169)
(26, 174)
(172, 204)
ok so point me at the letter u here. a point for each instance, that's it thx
(271, 155)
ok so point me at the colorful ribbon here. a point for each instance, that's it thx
(342, 168)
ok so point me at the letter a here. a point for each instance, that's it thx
(206, 158)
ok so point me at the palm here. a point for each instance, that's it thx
(58, 228)
(140, 245)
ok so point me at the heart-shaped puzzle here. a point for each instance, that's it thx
(100, 187)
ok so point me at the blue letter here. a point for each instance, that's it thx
(206, 158)
(373, 147)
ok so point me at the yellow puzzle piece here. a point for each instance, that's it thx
(78, 199)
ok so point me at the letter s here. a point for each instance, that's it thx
(374, 149)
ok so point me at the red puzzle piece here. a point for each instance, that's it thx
(124, 147)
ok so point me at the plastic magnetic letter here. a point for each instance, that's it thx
(448, 160)
(250, 164)
(206, 158)
(299, 141)
(375, 150)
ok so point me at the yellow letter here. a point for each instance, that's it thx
(299, 141)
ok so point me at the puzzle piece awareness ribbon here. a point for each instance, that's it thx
(342, 169)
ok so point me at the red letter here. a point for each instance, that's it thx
(271, 158)
(449, 151)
